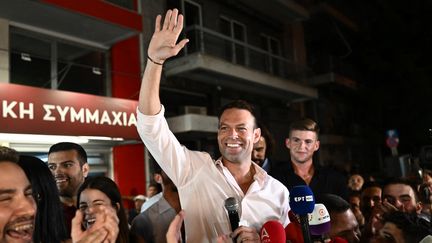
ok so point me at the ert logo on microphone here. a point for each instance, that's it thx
(304, 199)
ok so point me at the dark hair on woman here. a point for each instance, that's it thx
(110, 189)
(49, 223)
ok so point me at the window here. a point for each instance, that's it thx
(272, 46)
(45, 62)
(237, 32)
(193, 18)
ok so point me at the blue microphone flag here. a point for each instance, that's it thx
(301, 200)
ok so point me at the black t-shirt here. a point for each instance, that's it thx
(324, 180)
(69, 213)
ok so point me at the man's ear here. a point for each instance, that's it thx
(158, 178)
(317, 145)
(257, 134)
(288, 143)
(85, 169)
(419, 207)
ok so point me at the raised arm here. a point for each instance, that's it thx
(162, 46)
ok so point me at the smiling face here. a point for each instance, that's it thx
(92, 202)
(17, 206)
(237, 135)
(302, 145)
(68, 173)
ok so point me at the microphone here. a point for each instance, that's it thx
(319, 221)
(272, 232)
(302, 203)
(232, 206)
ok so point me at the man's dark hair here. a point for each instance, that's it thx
(397, 180)
(414, 228)
(333, 203)
(425, 194)
(66, 146)
(370, 184)
(239, 104)
(8, 154)
(265, 133)
(304, 124)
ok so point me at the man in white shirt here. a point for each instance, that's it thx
(205, 184)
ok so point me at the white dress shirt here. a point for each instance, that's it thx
(204, 184)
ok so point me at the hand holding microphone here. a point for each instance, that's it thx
(242, 233)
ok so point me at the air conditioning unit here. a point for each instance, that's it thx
(189, 109)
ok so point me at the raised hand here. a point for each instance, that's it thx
(163, 43)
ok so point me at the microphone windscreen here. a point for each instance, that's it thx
(319, 220)
(272, 232)
(301, 200)
(231, 204)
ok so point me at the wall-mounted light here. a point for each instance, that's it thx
(26, 57)
(39, 139)
(96, 71)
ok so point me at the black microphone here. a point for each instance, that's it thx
(302, 203)
(232, 206)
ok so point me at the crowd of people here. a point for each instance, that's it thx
(57, 201)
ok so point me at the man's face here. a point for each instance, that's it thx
(345, 226)
(427, 179)
(401, 196)
(138, 204)
(69, 175)
(259, 151)
(17, 206)
(302, 145)
(355, 182)
(370, 197)
(236, 135)
(151, 191)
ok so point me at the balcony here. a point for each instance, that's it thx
(332, 71)
(218, 59)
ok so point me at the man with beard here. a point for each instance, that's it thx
(263, 149)
(17, 205)
(302, 143)
(68, 163)
(205, 184)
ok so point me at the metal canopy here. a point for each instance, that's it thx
(49, 19)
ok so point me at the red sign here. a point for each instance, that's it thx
(25, 109)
